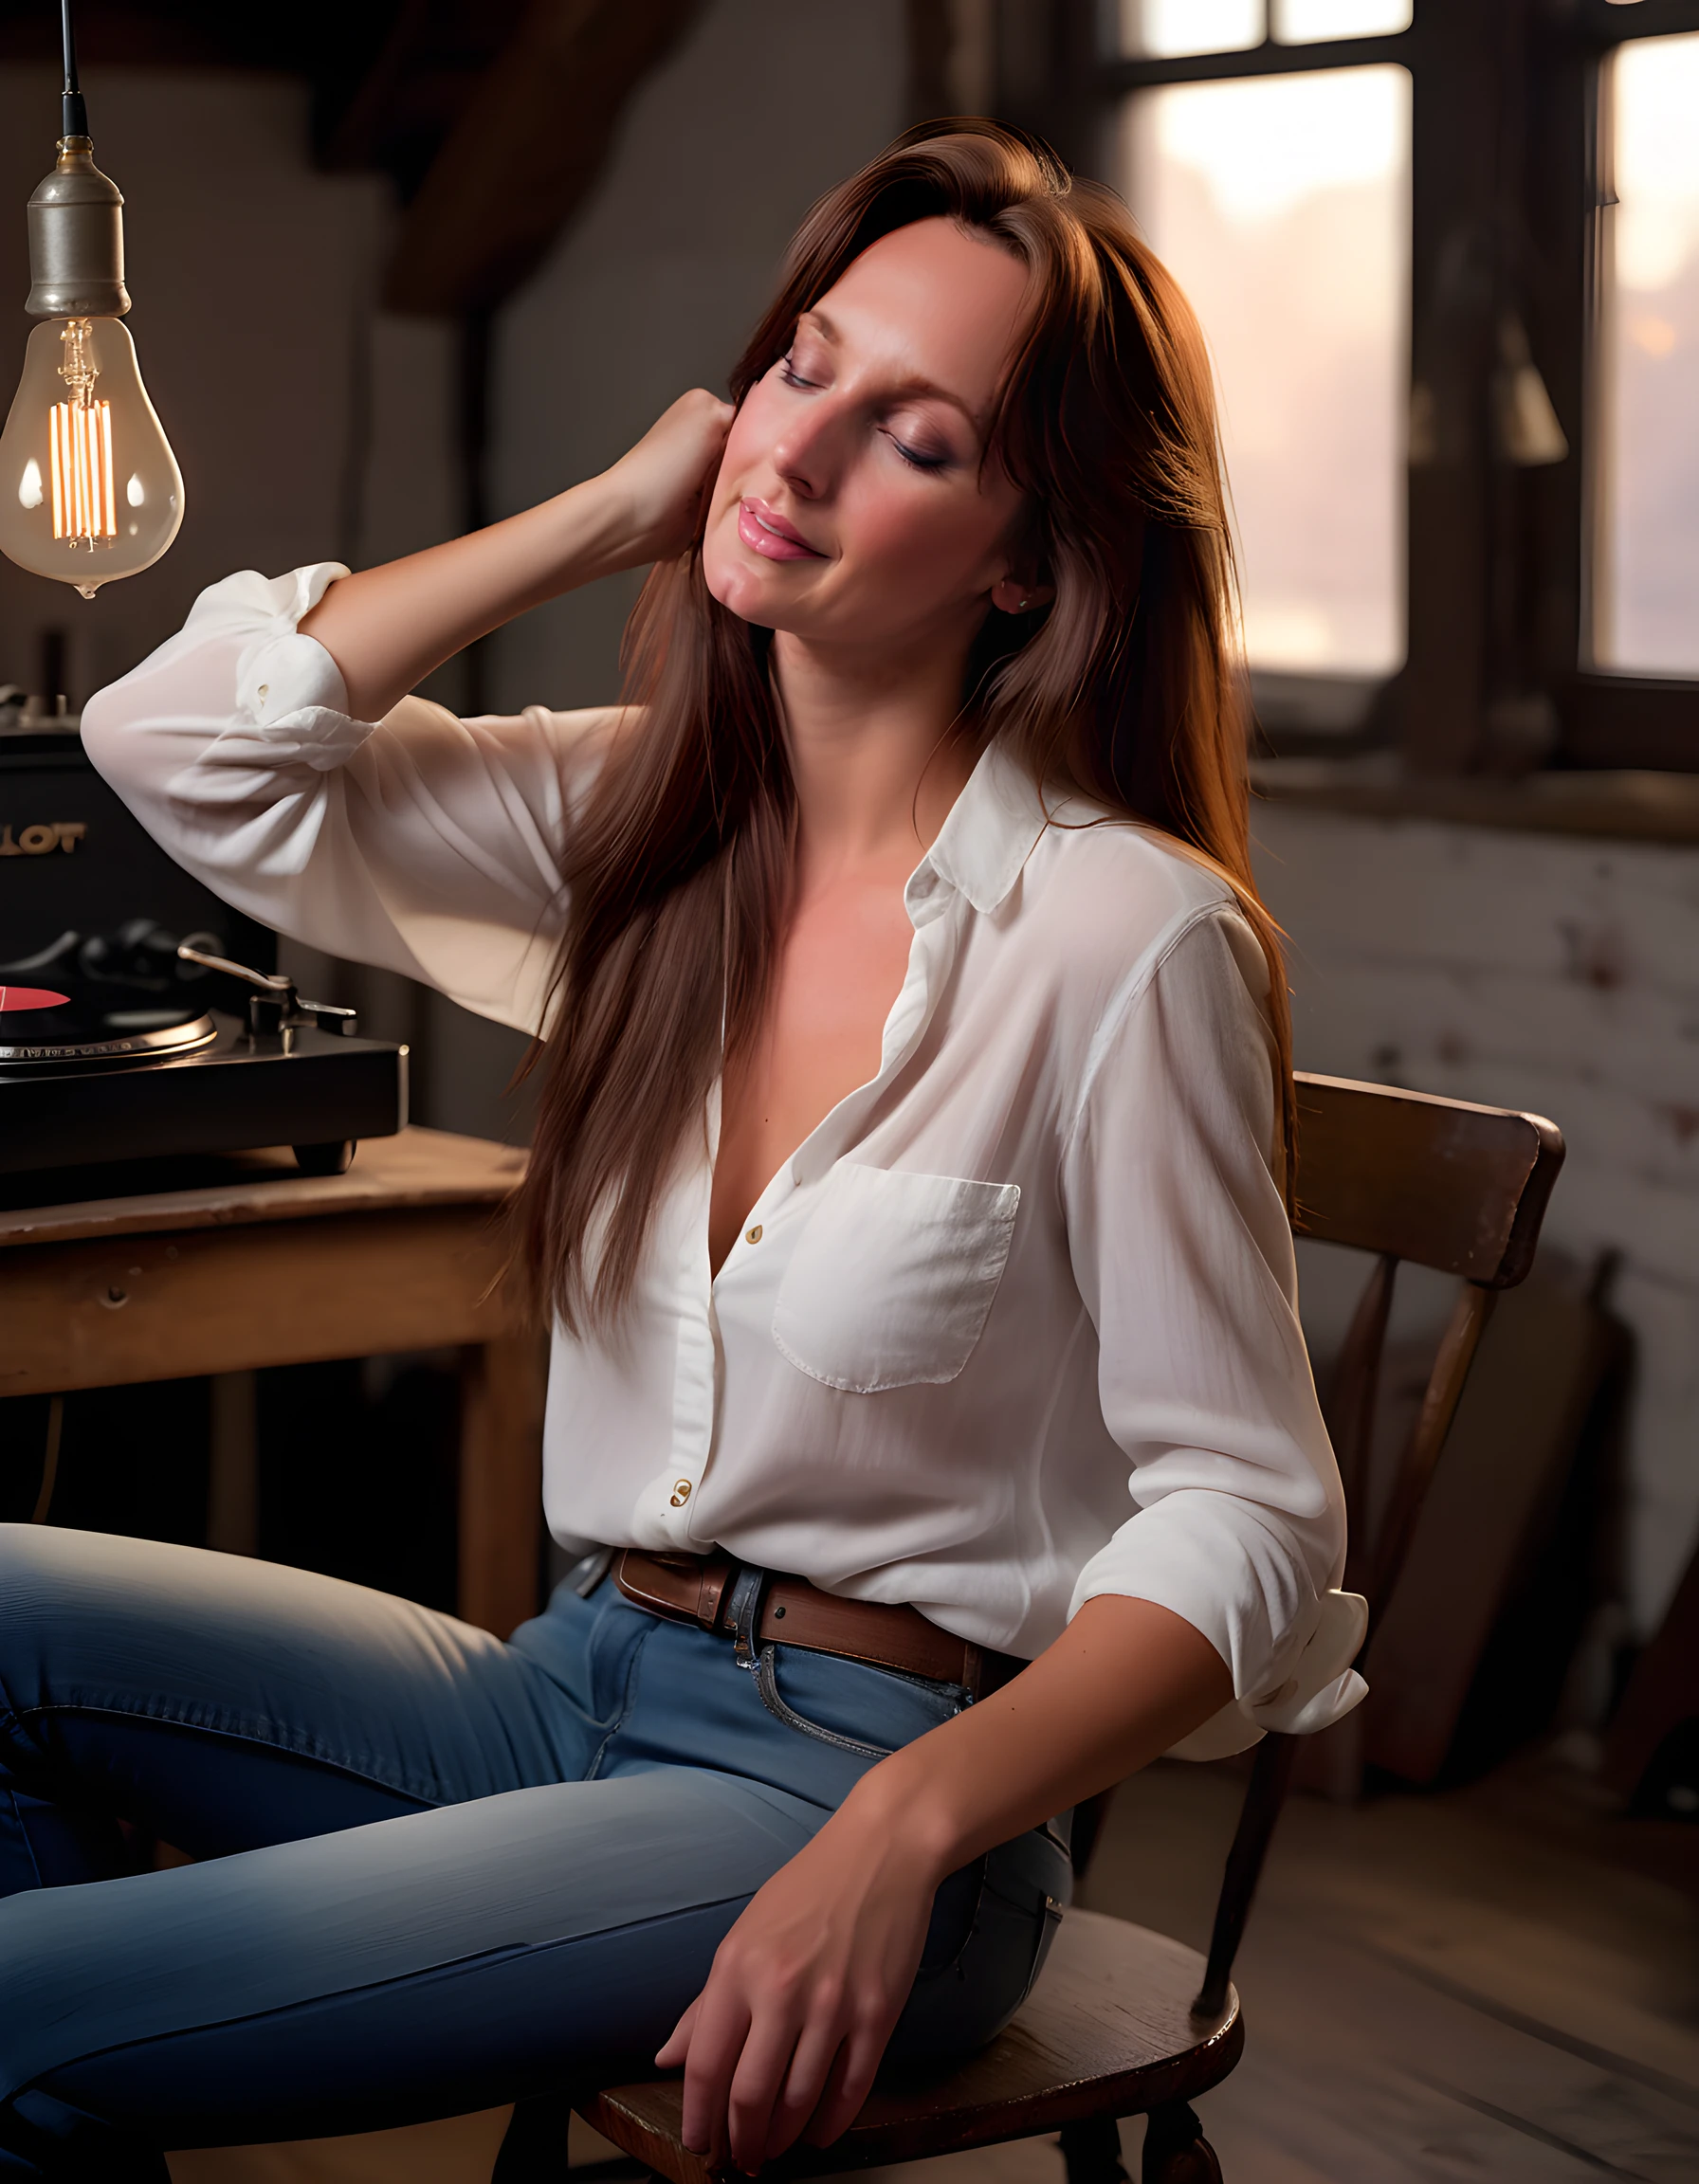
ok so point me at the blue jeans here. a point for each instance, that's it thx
(435, 1872)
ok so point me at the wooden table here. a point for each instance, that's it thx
(244, 1262)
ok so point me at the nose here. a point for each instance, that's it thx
(809, 452)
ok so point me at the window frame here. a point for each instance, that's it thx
(1507, 198)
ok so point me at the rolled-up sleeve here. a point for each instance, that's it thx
(421, 842)
(1183, 1255)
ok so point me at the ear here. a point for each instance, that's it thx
(1009, 595)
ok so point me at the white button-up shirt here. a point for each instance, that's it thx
(1015, 1326)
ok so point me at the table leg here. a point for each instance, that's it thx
(233, 1470)
(500, 1480)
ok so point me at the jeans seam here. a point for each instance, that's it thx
(253, 1729)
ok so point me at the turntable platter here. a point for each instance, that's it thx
(40, 1025)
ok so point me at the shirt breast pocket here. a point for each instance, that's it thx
(893, 1276)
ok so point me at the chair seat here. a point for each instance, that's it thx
(1107, 2031)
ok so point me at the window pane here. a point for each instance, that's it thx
(1282, 204)
(1646, 570)
(1153, 28)
(1302, 21)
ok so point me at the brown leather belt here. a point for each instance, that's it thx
(790, 1611)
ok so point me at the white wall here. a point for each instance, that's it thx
(660, 278)
(1548, 972)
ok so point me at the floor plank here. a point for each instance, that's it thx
(1485, 1983)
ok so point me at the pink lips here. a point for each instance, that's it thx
(763, 532)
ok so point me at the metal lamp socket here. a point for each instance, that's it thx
(77, 239)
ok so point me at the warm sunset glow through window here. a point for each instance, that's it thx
(1306, 22)
(1158, 30)
(1646, 559)
(1282, 204)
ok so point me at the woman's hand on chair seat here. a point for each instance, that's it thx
(808, 1986)
(804, 1994)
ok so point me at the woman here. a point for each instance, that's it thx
(907, 1173)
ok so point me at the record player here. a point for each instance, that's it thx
(110, 1051)
(128, 1037)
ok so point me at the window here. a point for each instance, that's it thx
(1645, 594)
(1166, 26)
(1158, 29)
(1281, 203)
(1445, 253)
(1307, 22)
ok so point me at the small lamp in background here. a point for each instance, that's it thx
(89, 488)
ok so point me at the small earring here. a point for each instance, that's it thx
(1024, 605)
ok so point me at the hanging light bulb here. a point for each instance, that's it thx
(89, 488)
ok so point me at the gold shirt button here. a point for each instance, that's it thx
(752, 1235)
(680, 1492)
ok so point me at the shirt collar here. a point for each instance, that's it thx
(991, 829)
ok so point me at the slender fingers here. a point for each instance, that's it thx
(850, 2081)
(758, 2080)
(818, 2130)
(717, 2039)
(757, 2077)
(819, 2044)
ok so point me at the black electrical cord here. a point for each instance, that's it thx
(74, 120)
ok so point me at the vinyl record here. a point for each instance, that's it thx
(40, 1023)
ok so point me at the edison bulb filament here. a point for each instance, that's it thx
(80, 445)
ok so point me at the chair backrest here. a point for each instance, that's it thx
(1440, 1182)
(1443, 1184)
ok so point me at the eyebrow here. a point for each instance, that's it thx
(824, 326)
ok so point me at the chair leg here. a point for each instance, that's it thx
(1175, 2150)
(1092, 2152)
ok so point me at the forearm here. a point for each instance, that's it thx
(1125, 1680)
(388, 628)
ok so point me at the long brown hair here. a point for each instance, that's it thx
(1127, 688)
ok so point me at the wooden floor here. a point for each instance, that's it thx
(1501, 1982)
(1496, 1983)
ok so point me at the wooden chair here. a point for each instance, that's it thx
(1124, 2022)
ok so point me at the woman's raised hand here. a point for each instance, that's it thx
(388, 628)
(660, 483)
(803, 1996)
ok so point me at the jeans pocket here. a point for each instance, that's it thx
(869, 1711)
(1012, 1904)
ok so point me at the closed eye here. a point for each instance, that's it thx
(915, 458)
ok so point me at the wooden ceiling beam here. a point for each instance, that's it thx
(399, 111)
(526, 151)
